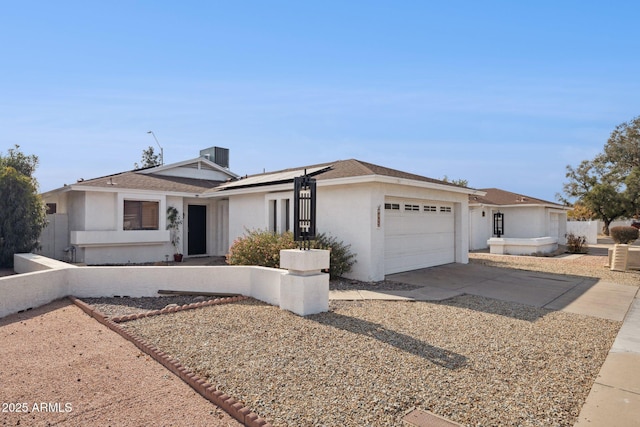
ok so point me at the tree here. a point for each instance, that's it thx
(581, 213)
(622, 153)
(22, 212)
(26, 165)
(597, 189)
(632, 192)
(460, 182)
(623, 147)
(149, 159)
(609, 185)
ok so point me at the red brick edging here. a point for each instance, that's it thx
(229, 404)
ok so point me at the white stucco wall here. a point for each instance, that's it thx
(76, 210)
(519, 222)
(480, 227)
(60, 199)
(221, 228)
(246, 212)
(524, 222)
(349, 213)
(100, 211)
(42, 280)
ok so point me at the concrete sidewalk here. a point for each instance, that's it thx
(614, 399)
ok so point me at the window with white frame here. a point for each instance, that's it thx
(141, 215)
(445, 209)
(430, 208)
(279, 215)
(392, 206)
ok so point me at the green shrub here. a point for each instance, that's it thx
(624, 234)
(576, 244)
(341, 259)
(260, 247)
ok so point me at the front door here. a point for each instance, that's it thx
(197, 233)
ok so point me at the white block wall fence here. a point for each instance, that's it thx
(42, 280)
(588, 229)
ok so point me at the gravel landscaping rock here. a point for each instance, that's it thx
(122, 306)
(474, 360)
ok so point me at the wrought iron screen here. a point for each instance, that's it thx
(304, 210)
(498, 224)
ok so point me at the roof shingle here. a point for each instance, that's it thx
(498, 197)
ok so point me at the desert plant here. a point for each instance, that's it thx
(624, 234)
(340, 255)
(261, 247)
(173, 225)
(576, 244)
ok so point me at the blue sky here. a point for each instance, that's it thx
(501, 93)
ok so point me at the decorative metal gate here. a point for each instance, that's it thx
(304, 210)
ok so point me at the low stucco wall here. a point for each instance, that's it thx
(23, 291)
(42, 280)
(508, 246)
(633, 260)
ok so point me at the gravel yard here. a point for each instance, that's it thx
(474, 360)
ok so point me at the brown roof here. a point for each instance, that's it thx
(152, 182)
(339, 169)
(323, 171)
(498, 197)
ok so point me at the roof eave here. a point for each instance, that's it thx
(362, 179)
(522, 205)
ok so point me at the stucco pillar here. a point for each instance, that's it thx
(304, 289)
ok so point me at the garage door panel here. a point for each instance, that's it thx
(417, 243)
(418, 239)
(424, 222)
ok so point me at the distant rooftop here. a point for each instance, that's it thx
(498, 197)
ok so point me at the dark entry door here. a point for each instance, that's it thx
(197, 233)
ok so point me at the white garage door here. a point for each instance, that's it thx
(418, 234)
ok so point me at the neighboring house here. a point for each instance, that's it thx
(524, 217)
(393, 220)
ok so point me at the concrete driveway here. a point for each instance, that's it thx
(582, 295)
(614, 399)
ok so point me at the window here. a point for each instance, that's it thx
(446, 209)
(273, 215)
(52, 208)
(428, 208)
(279, 215)
(139, 215)
(287, 220)
(392, 206)
(415, 208)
